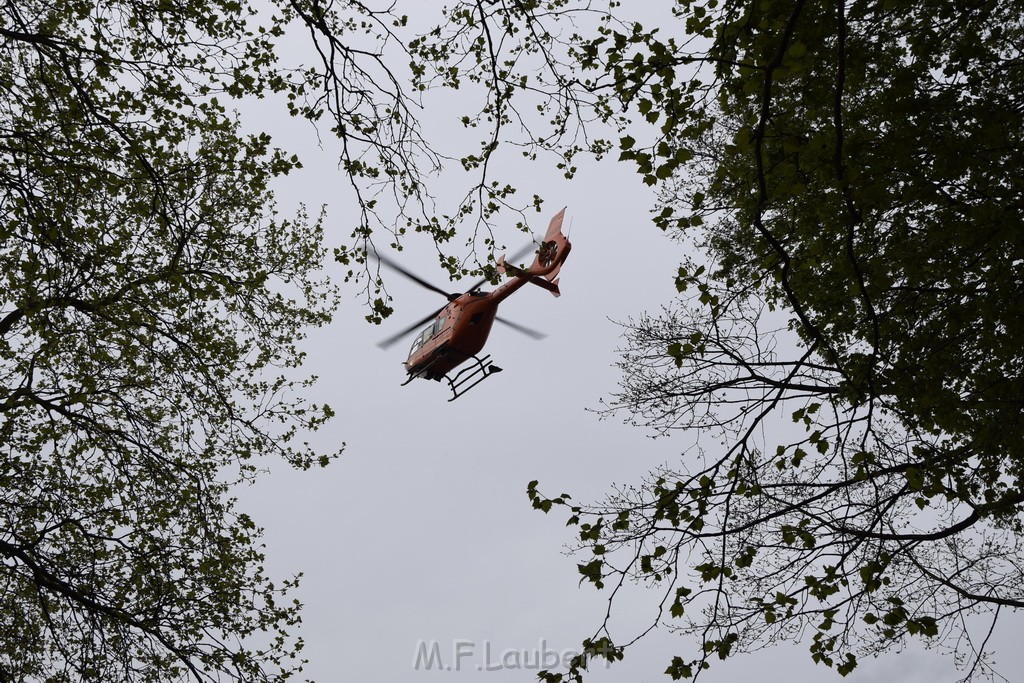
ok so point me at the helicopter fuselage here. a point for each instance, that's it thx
(458, 332)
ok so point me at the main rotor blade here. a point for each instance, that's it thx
(415, 278)
(411, 328)
(533, 334)
(514, 257)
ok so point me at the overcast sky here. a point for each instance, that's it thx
(422, 532)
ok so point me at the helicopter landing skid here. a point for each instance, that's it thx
(468, 377)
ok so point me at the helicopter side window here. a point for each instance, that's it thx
(426, 334)
(438, 324)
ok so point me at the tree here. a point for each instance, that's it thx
(151, 307)
(846, 348)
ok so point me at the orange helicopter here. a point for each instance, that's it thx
(459, 329)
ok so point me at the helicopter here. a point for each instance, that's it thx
(458, 330)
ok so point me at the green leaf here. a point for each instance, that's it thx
(679, 669)
(591, 571)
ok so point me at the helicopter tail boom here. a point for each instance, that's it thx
(516, 271)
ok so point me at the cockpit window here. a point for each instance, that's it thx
(421, 339)
(416, 344)
(427, 334)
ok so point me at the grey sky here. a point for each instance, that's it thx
(422, 531)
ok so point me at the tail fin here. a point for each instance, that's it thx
(553, 251)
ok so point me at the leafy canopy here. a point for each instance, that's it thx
(850, 332)
(152, 303)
